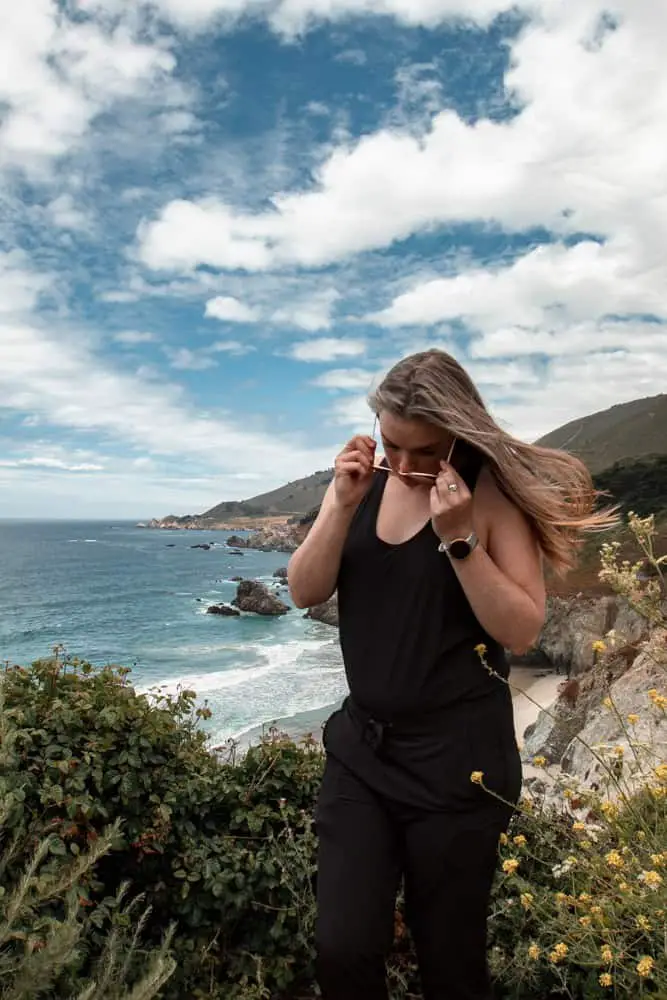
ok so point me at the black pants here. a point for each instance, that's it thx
(447, 861)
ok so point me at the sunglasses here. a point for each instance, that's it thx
(409, 475)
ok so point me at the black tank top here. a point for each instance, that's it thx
(423, 711)
(407, 631)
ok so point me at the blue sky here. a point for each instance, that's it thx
(222, 220)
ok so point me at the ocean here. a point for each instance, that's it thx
(114, 593)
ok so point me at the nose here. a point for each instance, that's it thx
(405, 464)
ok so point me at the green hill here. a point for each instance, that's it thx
(625, 432)
(610, 442)
(297, 497)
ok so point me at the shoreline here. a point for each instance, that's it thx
(538, 683)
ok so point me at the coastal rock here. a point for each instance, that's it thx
(236, 542)
(553, 731)
(573, 624)
(223, 609)
(609, 728)
(326, 612)
(251, 595)
(203, 545)
(281, 573)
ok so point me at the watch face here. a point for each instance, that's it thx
(459, 548)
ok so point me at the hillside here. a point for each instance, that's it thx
(624, 432)
(610, 442)
(297, 497)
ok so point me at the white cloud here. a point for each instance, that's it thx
(583, 154)
(185, 359)
(44, 462)
(326, 349)
(59, 73)
(344, 378)
(20, 286)
(131, 337)
(58, 378)
(311, 314)
(230, 310)
(66, 214)
(291, 17)
(233, 347)
(552, 284)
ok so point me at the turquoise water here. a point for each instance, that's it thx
(115, 593)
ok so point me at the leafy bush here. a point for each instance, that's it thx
(43, 914)
(210, 844)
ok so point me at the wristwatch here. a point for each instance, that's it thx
(459, 548)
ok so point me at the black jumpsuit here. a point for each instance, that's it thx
(396, 800)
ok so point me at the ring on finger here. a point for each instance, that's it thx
(452, 487)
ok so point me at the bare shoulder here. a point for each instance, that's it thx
(509, 535)
(495, 512)
(488, 496)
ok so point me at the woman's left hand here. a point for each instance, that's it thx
(451, 505)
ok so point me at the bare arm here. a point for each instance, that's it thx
(312, 572)
(504, 583)
(503, 576)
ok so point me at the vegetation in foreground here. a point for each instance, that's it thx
(135, 863)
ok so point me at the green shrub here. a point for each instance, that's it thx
(43, 914)
(210, 844)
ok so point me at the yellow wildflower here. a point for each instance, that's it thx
(658, 791)
(527, 900)
(607, 702)
(533, 951)
(578, 827)
(633, 719)
(585, 921)
(658, 699)
(520, 840)
(619, 751)
(504, 839)
(651, 879)
(599, 646)
(540, 761)
(584, 897)
(645, 966)
(661, 772)
(659, 859)
(596, 911)
(643, 923)
(480, 649)
(606, 954)
(623, 887)
(559, 952)
(614, 859)
(510, 866)
(609, 809)
(605, 979)
(477, 777)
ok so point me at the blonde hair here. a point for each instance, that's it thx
(553, 488)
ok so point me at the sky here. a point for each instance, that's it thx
(222, 220)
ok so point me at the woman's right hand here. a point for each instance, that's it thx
(353, 471)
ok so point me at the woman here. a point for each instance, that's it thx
(431, 559)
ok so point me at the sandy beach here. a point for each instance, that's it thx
(529, 685)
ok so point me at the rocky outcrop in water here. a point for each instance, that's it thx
(254, 596)
(223, 609)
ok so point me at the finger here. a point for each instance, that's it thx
(353, 466)
(355, 472)
(356, 456)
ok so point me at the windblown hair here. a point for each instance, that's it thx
(551, 487)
